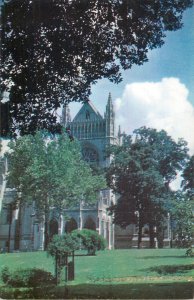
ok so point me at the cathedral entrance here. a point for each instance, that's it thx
(70, 225)
(90, 224)
(53, 227)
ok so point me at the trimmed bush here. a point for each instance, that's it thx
(5, 275)
(27, 278)
(91, 240)
(63, 245)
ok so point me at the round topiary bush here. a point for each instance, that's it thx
(90, 240)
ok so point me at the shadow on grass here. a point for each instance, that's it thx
(162, 256)
(105, 291)
(171, 269)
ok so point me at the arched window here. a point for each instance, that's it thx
(70, 225)
(90, 155)
(53, 227)
(90, 224)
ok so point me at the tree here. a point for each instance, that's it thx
(52, 51)
(181, 219)
(90, 240)
(140, 173)
(188, 176)
(188, 183)
(50, 171)
(60, 248)
(170, 156)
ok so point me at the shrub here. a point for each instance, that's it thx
(91, 240)
(63, 245)
(60, 247)
(189, 252)
(27, 278)
(5, 275)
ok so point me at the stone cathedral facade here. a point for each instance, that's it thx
(95, 133)
(21, 230)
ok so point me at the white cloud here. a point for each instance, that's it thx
(160, 105)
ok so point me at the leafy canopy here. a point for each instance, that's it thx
(90, 239)
(49, 171)
(52, 51)
(181, 217)
(63, 245)
(188, 176)
(51, 167)
(141, 172)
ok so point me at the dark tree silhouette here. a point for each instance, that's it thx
(52, 51)
(140, 173)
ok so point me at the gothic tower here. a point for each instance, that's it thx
(95, 133)
(110, 119)
(66, 117)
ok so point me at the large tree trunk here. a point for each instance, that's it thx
(152, 235)
(18, 228)
(160, 237)
(140, 226)
(46, 227)
(10, 211)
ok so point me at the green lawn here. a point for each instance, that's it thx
(145, 273)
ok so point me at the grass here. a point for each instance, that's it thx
(137, 274)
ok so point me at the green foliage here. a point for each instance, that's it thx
(62, 245)
(48, 292)
(49, 170)
(181, 219)
(140, 173)
(189, 252)
(27, 277)
(53, 51)
(5, 274)
(169, 156)
(90, 240)
(45, 167)
(188, 176)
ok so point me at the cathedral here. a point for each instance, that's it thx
(21, 230)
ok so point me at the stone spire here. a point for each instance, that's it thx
(109, 107)
(66, 117)
(110, 117)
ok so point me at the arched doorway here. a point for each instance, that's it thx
(53, 227)
(90, 224)
(70, 225)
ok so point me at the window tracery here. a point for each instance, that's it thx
(90, 155)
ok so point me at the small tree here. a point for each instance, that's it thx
(60, 247)
(49, 170)
(181, 219)
(90, 240)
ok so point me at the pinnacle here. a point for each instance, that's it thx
(109, 98)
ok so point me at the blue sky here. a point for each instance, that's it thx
(174, 59)
(160, 93)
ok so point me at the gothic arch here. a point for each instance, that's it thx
(53, 227)
(70, 225)
(90, 224)
(90, 153)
